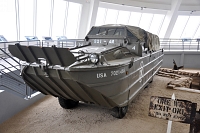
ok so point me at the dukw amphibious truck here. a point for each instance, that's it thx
(108, 68)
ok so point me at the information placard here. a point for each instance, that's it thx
(169, 109)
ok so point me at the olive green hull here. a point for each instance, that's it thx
(108, 86)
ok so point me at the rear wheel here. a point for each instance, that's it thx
(151, 80)
(119, 112)
(67, 103)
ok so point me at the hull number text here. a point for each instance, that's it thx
(113, 73)
(117, 72)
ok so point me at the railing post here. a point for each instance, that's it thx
(5, 47)
(38, 43)
(29, 91)
(26, 95)
(1, 77)
(169, 126)
(26, 90)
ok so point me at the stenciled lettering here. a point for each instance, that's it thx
(161, 107)
(101, 75)
(117, 72)
(164, 101)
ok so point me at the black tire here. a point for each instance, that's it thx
(67, 103)
(151, 80)
(146, 86)
(119, 112)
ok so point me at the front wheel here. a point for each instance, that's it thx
(119, 112)
(67, 103)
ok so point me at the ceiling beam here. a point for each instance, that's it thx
(162, 6)
(88, 17)
(170, 19)
(94, 4)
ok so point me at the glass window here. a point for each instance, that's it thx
(107, 31)
(74, 10)
(59, 17)
(191, 27)
(111, 16)
(123, 17)
(111, 31)
(43, 18)
(100, 16)
(179, 26)
(119, 32)
(197, 34)
(156, 23)
(8, 20)
(145, 21)
(102, 31)
(26, 18)
(129, 34)
(134, 18)
(94, 31)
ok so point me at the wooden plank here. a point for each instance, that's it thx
(187, 89)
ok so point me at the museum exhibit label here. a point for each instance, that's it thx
(174, 110)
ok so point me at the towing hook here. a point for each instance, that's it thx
(43, 66)
(44, 69)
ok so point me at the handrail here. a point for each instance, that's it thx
(10, 56)
(21, 41)
(6, 74)
(27, 93)
(10, 64)
(10, 70)
(183, 44)
(69, 43)
(12, 90)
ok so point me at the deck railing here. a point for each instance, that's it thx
(165, 43)
(180, 44)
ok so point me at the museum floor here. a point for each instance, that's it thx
(47, 116)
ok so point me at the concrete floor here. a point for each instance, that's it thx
(47, 116)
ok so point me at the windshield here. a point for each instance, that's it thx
(107, 31)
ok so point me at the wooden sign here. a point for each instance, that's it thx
(174, 110)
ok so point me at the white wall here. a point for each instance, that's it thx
(189, 60)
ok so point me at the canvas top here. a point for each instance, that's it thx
(151, 40)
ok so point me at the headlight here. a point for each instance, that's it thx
(94, 58)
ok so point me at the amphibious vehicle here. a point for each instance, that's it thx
(108, 68)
